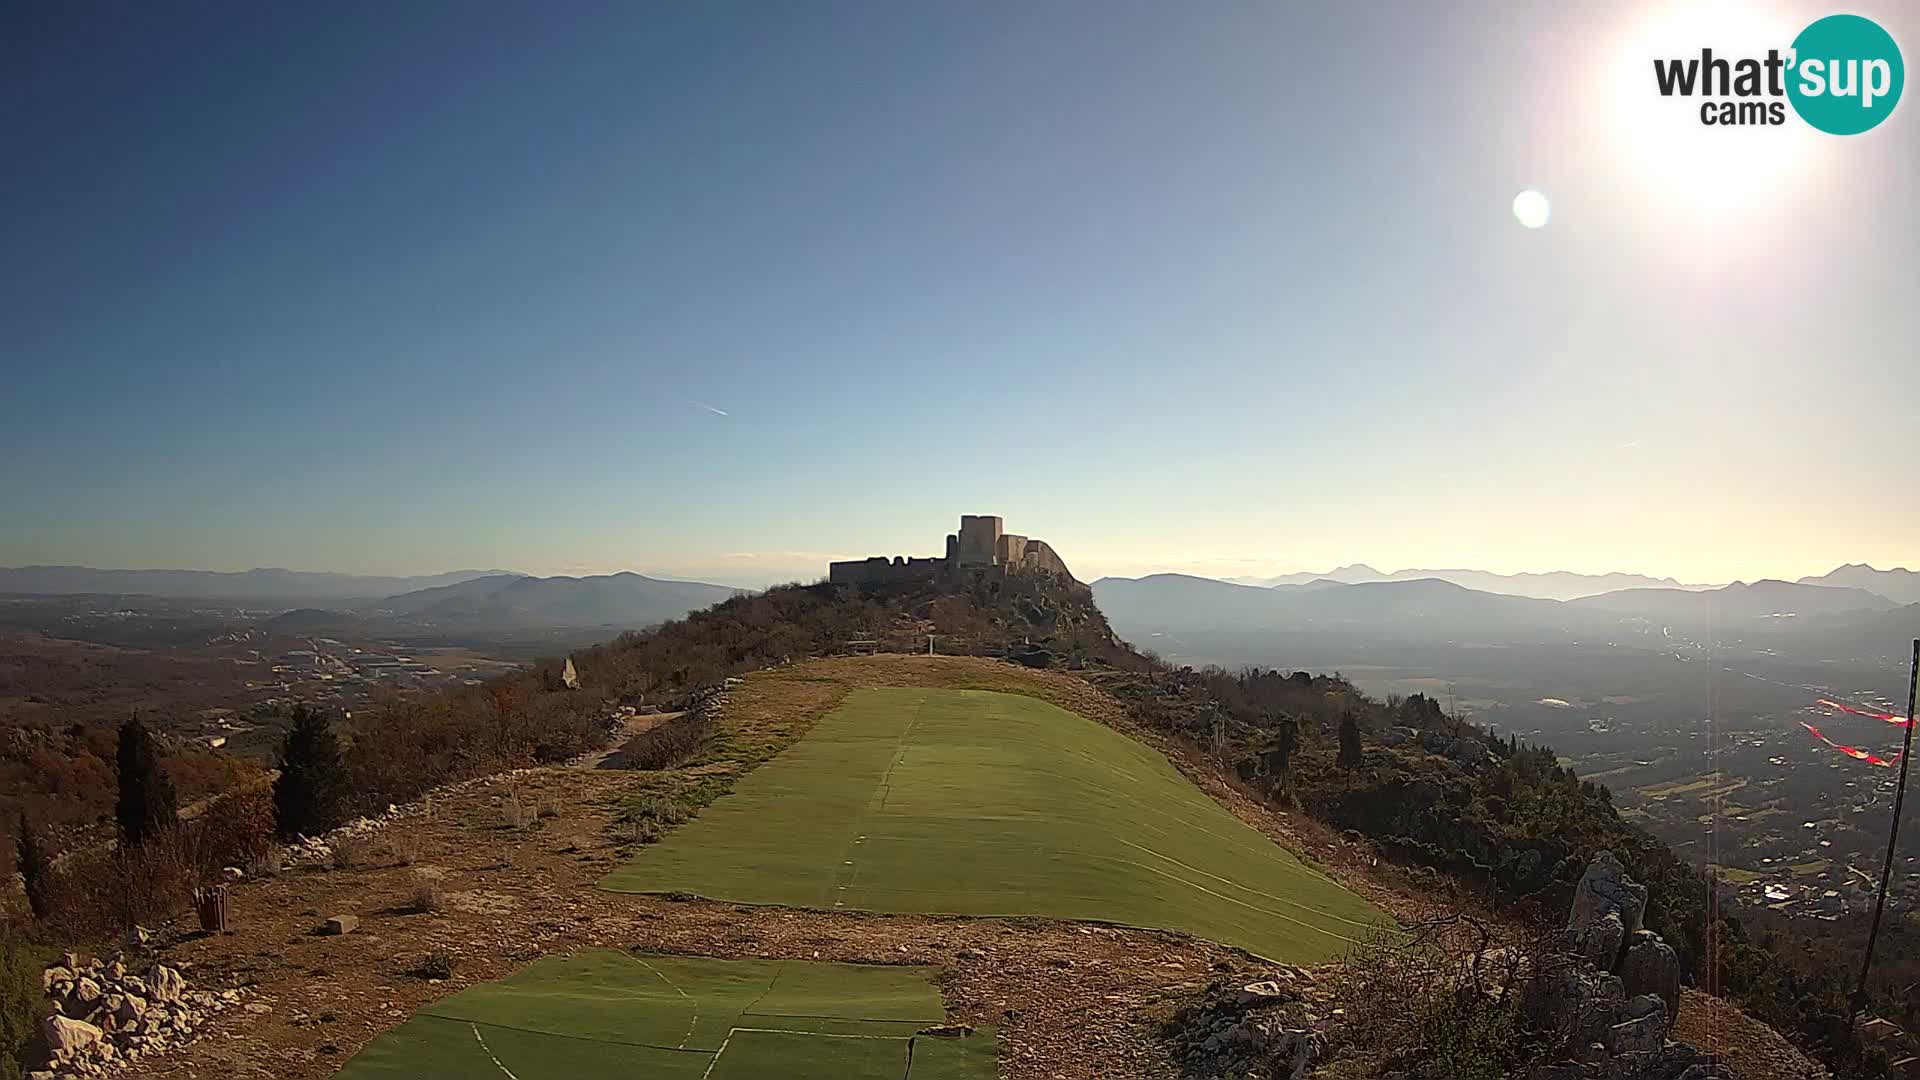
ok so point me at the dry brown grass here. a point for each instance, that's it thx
(351, 852)
(404, 848)
(269, 864)
(426, 895)
(515, 814)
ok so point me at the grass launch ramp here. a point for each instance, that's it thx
(970, 802)
(604, 1014)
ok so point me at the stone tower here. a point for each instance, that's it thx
(979, 540)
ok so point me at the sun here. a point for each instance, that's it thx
(1531, 208)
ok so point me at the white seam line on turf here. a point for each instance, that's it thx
(691, 1024)
(880, 794)
(817, 1034)
(779, 969)
(488, 1050)
(716, 1055)
(731, 1032)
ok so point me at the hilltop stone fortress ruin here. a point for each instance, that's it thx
(981, 546)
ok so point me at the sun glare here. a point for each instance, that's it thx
(1659, 144)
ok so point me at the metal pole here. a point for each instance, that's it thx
(1893, 833)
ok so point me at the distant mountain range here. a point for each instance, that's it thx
(1463, 604)
(1760, 600)
(1176, 603)
(1557, 585)
(265, 586)
(1428, 607)
(626, 599)
(1900, 584)
(468, 598)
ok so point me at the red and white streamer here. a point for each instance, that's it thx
(1891, 718)
(1852, 751)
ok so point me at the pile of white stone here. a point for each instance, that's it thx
(308, 849)
(106, 1016)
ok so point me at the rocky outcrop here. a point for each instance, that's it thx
(1470, 754)
(1612, 989)
(1651, 967)
(1606, 890)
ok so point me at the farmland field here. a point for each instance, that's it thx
(605, 1014)
(971, 802)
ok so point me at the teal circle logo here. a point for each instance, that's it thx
(1847, 74)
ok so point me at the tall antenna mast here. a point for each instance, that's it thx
(1893, 832)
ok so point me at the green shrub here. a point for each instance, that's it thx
(438, 964)
(21, 1003)
(1467, 1036)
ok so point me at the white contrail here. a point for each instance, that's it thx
(709, 408)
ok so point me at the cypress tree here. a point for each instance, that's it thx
(1349, 742)
(1285, 740)
(147, 806)
(310, 795)
(36, 867)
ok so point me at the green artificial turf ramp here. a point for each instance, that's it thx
(607, 1014)
(970, 802)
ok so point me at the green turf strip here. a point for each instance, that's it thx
(955, 1059)
(977, 803)
(763, 1055)
(610, 1014)
(432, 1048)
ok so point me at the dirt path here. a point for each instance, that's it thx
(631, 726)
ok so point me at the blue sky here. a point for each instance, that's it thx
(1229, 288)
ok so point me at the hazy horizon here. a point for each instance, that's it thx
(722, 294)
(807, 568)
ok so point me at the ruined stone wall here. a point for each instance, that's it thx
(1011, 550)
(881, 570)
(1040, 555)
(981, 544)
